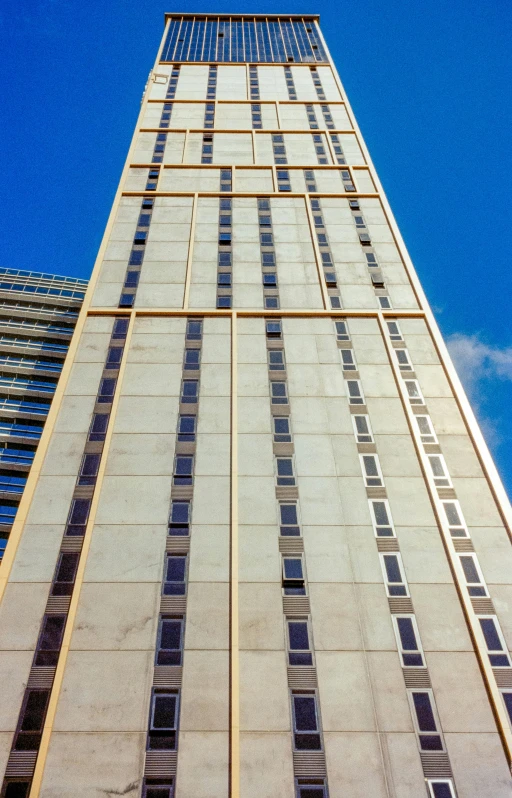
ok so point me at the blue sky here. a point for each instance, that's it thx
(430, 86)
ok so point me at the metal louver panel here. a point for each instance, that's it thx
(160, 764)
(435, 765)
(291, 545)
(387, 544)
(173, 604)
(57, 604)
(483, 606)
(21, 763)
(416, 677)
(309, 764)
(296, 605)
(167, 676)
(41, 678)
(400, 604)
(302, 677)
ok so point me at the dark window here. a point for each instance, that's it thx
(285, 475)
(278, 393)
(50, 641)
(310, 791)
(224, 302)
(441, 789)
(89, 469)
(157, 788)
(78, 516)
(65, 573)
(282, 429)
(293, 577)
(175, 573)
(194, 330)
(493, 643)
(288, 520)
(507, 698)
(187, 428)
(305, 723)
(411, 654)
(179, 520)
(396, 586)
(107, 389)
(298, 637)
(115, 354)
(189, 391)
(126, 300)
(192, 359)
(183, 467)
(429, 739)
(17, 789)
(33, 715)
(120, 328)
(98, 427)
(170, 641)
(163, 721)
(224, 278)
(382, 522)
(276, 359)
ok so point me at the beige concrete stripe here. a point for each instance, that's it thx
(472, 621)
(318, 257)
(190, 254)
(234, 746)
(73, 607)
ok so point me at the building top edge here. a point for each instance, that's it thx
(22, 274)
(189, 15)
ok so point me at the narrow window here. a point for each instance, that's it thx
(414, 392)
(381, 518)
(50, 641)
(394, 329)
(355, 392)
(32, 720)
(65, 573)
(299, 646)
(289, 524)
(282, 432)
(371, 470)
(362, 429)
(163, 721)
(189, 391)
(194, 330)
(192, 359)
(293, 577)
(187, 428)
(157, 788)
(285, 473)
(273, 328)
(347, 360)
(426, 430)
(98, 427)
(342, 333)
(179, 521)
(394, 575)
(404, 363)
(439, 471)
(441, 788)
(78, 515)
(89, 469)
(306, 730)
(507, 700)
(473, 575)
(407, 637)
(276, 359)
(175, 575)
(170, 641)
(278, 393)
(456, 523)
(426, 723)
(107, 389)
(309, 790)
(183, 468)
(495, 642)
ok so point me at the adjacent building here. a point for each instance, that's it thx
(38, 313)
(263, 551)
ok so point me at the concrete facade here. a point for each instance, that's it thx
(265, 551)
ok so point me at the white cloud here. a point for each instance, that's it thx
(478, 365)
(476, 361)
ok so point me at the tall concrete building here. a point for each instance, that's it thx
(38, 313)
(263, 551)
